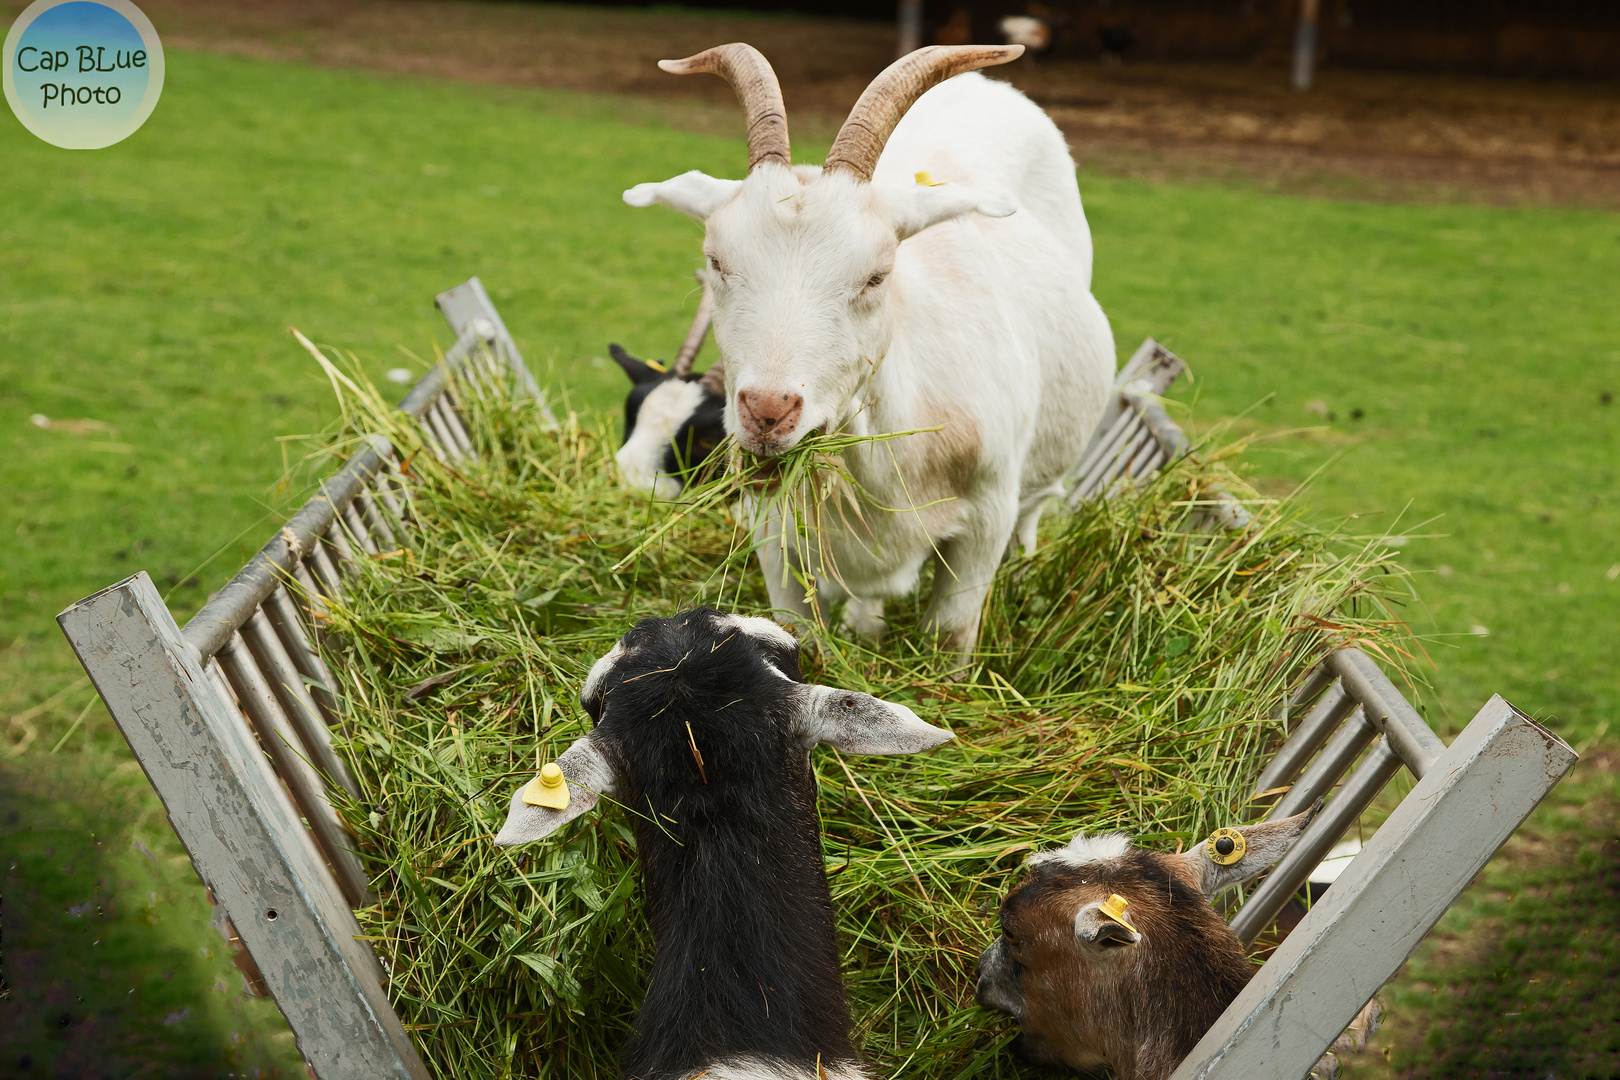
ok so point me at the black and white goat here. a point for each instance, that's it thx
(1133, 985)
(703, 730)
(673, 420)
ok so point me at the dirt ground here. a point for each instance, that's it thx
(1358, 134)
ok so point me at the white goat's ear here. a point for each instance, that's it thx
(588, 774)
(912, 209)
(1263, 844)
(858, 723)
(694, 194)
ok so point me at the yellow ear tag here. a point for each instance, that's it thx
(926, 180)
(656, 365)
(1225, 846)
(1114, 907)
(550, 788)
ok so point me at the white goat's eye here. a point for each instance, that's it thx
(876, 279)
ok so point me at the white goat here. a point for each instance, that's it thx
(850, 298)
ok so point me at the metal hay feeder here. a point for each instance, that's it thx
(230, 718)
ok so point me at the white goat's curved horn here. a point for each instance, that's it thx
(760, 95)
(693, 344)
(886, 100)
(715, 378)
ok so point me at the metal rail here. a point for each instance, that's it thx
(1355, 704)
(1136, 436)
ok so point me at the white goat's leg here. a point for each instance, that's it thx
(865, 617)
(1029, 517)
(859, 616)
(781, 565)
(967, 566)
(1028, 525)
(829, 590)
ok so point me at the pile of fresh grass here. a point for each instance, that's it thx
(1126, 679)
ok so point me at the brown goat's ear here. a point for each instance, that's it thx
(1261, 845)
(1096, 927)
(1112, 933)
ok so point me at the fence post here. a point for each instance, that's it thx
(1304, 73)
(243, 834)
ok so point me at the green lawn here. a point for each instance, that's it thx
(1463, 359)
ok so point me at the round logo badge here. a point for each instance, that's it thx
(83, 74)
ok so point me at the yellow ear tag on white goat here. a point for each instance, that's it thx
(926, 179)
(1114, 907)
(1225, 846)
(550, 788)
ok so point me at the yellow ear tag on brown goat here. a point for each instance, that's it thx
(550, 788)
(926, 179)
(1114, 907)
(1225, 846)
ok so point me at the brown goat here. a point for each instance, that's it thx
(1133, 990)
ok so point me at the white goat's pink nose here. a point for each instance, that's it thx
(768, 416)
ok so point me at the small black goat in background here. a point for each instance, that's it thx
(703, 730)
(673, 420)
(672, 423)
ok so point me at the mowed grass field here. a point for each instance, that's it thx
(1445, 373)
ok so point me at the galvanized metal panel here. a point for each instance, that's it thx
(464, 307)
(1357, 936)
(235, 603)
(298, 639)
(1135, 436)
(297, 704)
(1166, 433)
(242, 832)
(1323, 719)
(1312, 846)
(1325, 770)
(280, 739)
(356, 531)
(366, 503)
(1388, 710)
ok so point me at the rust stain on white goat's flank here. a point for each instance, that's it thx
(947, 458)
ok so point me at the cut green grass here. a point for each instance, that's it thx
(1128, 677)
(148, 286)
